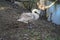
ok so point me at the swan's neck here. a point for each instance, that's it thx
(36, 16)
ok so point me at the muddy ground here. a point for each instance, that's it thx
(10, 29)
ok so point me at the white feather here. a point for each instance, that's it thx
(28, 17)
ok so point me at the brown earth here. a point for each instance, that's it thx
(10, 29)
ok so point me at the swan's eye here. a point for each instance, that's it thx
(35, 12)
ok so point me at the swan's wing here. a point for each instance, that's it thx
(26, 15)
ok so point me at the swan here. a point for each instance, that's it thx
(29, 17)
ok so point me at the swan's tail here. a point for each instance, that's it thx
(22, 20)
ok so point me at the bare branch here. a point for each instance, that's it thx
(50, 5)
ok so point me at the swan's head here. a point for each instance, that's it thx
(36, 11)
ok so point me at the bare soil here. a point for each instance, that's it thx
(10, 29)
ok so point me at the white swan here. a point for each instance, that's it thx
(29, 17)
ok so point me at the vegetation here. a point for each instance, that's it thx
(31, 4)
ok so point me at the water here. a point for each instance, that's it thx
(55, 10)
